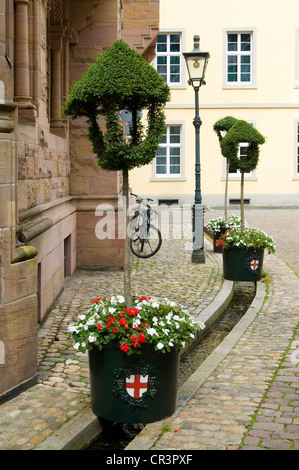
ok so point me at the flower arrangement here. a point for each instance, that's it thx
(247, 238)
(215, 225)
(161, 323)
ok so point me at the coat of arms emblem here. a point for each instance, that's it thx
(135, 384)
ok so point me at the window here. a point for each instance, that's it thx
(168, 57)
(168, 159)
(242, 153)
(239, 59)
(239, 49)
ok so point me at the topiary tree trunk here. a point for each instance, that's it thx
(120, 79)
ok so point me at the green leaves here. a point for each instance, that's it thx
(121, 79)
(242, 132)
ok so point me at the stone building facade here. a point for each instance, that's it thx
(50, 184)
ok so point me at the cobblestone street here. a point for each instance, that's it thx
(247, 399)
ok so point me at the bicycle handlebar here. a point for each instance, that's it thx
(142, 198)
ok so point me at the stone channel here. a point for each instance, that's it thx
(117, 436)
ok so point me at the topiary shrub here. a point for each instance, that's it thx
(242, 132)
(120, 79)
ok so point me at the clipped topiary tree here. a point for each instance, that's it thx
(242, 132)
(222, 126)
(120, 79)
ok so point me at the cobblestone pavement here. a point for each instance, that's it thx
(63, 379)
(251, 400)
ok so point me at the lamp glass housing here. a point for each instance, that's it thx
(196, 62)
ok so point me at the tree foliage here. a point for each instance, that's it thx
(223, 124)
(120, 79)
(242, 132)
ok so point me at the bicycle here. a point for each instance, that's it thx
(145, 238)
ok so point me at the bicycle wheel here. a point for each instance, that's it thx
(135, 227)
(144, 248)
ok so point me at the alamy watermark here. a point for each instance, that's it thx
(173, 221)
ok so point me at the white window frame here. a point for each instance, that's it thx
(296, 84)
(239, 84)
(169, 176)
(296, 159)
(168, 54)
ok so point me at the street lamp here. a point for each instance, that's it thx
(196, 62)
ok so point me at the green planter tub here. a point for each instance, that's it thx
(140, 388)
(242, 264)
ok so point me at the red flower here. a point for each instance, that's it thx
(108, 324)
(135, 341)
(131, 312)
(122, 321)
(99, 327)
(124, 347)
(114, 330)
(141, 338)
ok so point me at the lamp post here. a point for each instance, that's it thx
(196, 62)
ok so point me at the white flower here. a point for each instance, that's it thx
(155, 305)
(73, 328)
(170, 344)
(77, 345)
(90, 321)
(81, 317)
(160, 345)
(112, 309)
(165, 331)
(152, 331)
(121, 299)
(92, 338)
(172, 304)
(155, 320)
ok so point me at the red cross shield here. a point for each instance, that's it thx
(136, 385)
(254, 264)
